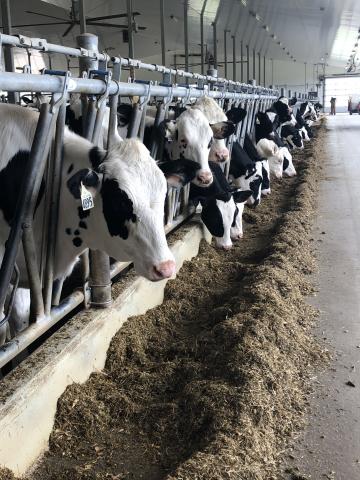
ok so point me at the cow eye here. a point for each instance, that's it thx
(210, 143)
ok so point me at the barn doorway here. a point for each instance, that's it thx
(342, 87)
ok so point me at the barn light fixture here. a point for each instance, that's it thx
(244, 3)
(255, 15)
(265, 27)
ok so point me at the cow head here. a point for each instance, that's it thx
(191, 136)
(292, 136)
(127, 219)
(269, 150)
(288, 166)
(219, 152)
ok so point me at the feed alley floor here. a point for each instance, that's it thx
(330, 446)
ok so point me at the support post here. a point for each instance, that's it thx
(259, 55)
(162, 27)
(248, 63)
(225, 54)
(202, 37)
(8, 51)
(234, 57)
(305, 78)
(186, 36)
(254, 64)
(215, 44)
(82, 17)
(242, 61)
(130, 18)
(264, 71)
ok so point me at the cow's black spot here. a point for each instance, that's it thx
(117, 208)
(83, 225)
(83, 213)
(11, 178)
(76, 232)
(286, 163)
(71, 168)
(68, 231)
(96, 157)
(77, 242)
(235, 216)
(75, 124)
(265, 179)
(212, 218)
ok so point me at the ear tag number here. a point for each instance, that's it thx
(87, 200)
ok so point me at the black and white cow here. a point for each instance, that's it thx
(265, 128)
(250, 149)
(292, 136)
(222, 207)
(127, 186)
(246, 173)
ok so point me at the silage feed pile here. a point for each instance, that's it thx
(211, 384)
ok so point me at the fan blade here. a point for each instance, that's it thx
(48, 16)
(68, 30)
(109, 17)
(39, 24)
(101, 24)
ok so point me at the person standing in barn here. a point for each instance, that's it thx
(333, 106)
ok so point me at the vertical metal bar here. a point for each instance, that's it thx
(234, 57)
(100, 281)
(215, 44)
(82, 17)
(202, 37)
(186, 36)
(130, 18)
(54, 185)
(305, 77)
(29, 191)
(225, 54)
(242, 61)
(162, 27)
(254, 64)
(264, 71)
(37, 302)
(272, 72)
(259, 68)
(8, 51)
(247, 63)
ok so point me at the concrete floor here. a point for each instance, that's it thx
(330, 446)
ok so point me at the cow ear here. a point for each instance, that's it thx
(222, 130)
(211, 216)
(168, 130)
(179, 172)
(236, 114)
(240, 196)
(124, 113)
(90, 179)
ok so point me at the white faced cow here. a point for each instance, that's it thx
(127, 186)
(268, 149)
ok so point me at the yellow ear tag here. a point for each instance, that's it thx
(87, 200)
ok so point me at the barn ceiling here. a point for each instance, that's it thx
(302, 30)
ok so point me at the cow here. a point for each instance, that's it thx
(222, 207)
(250, 149)
(292, 136)
(264, 128)
(274, 155)
(128, 191)
(215, 114)
(246, 173)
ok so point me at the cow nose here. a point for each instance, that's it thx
(237, 237)
(226, 247)
(205, 177)
(222, 156)
(165, 269)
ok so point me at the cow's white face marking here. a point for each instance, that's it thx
(227, 211)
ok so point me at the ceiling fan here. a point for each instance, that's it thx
(74, 20)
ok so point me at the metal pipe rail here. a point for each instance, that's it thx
(42, 45)
(13, 82)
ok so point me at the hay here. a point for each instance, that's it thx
(211, 384)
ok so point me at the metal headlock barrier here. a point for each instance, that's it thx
(100, 85)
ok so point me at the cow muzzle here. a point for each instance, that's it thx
(204, 178)
(222, 156)
(163, 270)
